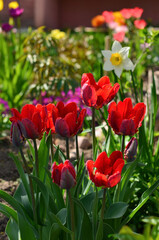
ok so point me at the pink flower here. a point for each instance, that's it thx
(126, 12)
(137, 12)
(140, 24)
(119, 36)
(108, 16)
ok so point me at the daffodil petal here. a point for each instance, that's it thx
(128, 65)
(107, 53)
(118, 70)
(108, 66)
(124, 52)
(116, 47)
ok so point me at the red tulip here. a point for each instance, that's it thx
(131, 150)
(106, 172)
(33, 119)
(96, 94)
(68, 122)
(51, 109)
(124, 118)
(64, 174)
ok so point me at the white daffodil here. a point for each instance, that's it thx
(117, 59)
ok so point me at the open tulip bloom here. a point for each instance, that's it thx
(117, 59)
(96, 94)
(124, 118)
(106, 172)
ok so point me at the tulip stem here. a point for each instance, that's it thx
(134, 86)
(30, 183)
(67, 148)
(52, 150)
(72, 215)
(123, 144)
(36, 158)
(93, 132)
(77, 152)
(99, 234)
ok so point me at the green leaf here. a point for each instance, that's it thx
(22, 175)
(12, 230)
(43, 156)
(58, 221)
(26, 231)
(86, 232)
(143, 200)
(9, 212)
(62, 215)
(116, 210)
(127, 234)
(54, 232)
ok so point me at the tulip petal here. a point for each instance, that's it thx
(70, 119)
(115, 155)
(89, 95)
(102, 162)
(67, 181)
(90, 168)
(62, 128)
(114, 179)
(70, 107)
(127, 127)
(103, 81)
(139, 112)
(100, 180)
(30, 130)
(88, 78)
(56, 173)
(28, 111)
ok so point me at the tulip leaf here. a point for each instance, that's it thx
(62, 215)
(54, 232)
(12, 230)
(58, 221)
(145, 196)
(9, 212)
(127, 233)
(22, 174)
(85, 233)
(43, 156)
(116, 210)
(26, 231)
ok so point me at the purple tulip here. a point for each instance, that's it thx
(6, 27)
(16, 12)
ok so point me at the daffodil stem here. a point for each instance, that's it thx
(77, 152)
(123, 144)
(52, 149)
(30, 183)
(67, 148)
(72, 215)
(93, 132)
(36, 158)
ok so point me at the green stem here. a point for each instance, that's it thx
(67, 148)
(36, 158)
(77, 152)
(52, 150)
(30, 183)
(19, 31)
(93, 132)
(99, 234)
(120, 89)
(123, 144)
(103, 204)
(134, 86)
(72, 215)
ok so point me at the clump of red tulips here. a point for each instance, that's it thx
(73, 200)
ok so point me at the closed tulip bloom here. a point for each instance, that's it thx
(96, 94)
(64, 175)
(67, 120)
(131, 150)
(124, 118)
(106, 172)
(140, 23)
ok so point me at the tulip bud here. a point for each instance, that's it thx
(64, 175)
(131, 150)
(17, 132)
